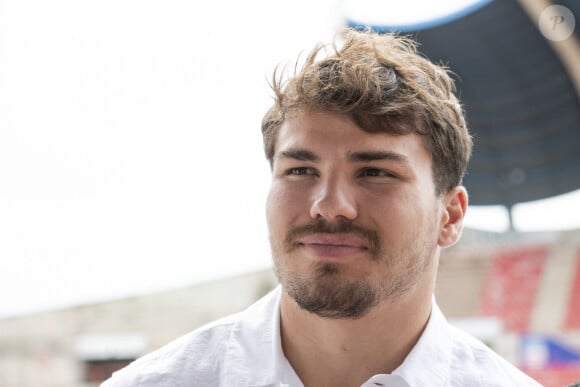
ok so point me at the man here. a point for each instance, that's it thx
(368, 147)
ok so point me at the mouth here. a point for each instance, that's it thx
(333, 246)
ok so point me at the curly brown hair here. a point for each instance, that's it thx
(384, 84)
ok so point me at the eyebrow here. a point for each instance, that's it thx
(377, 156)
(361, 156)
(298, 154)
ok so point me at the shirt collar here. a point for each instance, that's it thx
(429, 361)
(255, 357)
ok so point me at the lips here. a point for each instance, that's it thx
(333, 246)
(345, 240)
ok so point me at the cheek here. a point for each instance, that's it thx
(285, 204)
(280, 210)
(389, 203)
(272, 208)
(396, 213)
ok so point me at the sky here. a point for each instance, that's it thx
(130, 153)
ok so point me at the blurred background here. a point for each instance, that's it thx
(132, 178)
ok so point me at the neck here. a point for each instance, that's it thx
(329, 352)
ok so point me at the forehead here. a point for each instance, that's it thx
(337, 136)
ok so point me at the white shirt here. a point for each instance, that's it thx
(245, 349)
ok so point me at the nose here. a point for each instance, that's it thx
(334, 199)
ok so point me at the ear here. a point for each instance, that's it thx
(454, 208)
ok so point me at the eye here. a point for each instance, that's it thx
(376, 172)
(300, 171)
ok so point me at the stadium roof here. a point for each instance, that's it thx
(521, 94)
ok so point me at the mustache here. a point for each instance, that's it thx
(342, 226)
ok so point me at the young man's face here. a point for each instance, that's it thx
(353, 216)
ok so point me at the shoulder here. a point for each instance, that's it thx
(193, 359)
(474, 363)
(201, 357)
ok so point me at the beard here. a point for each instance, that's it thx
(329, 292)
(327, 295)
